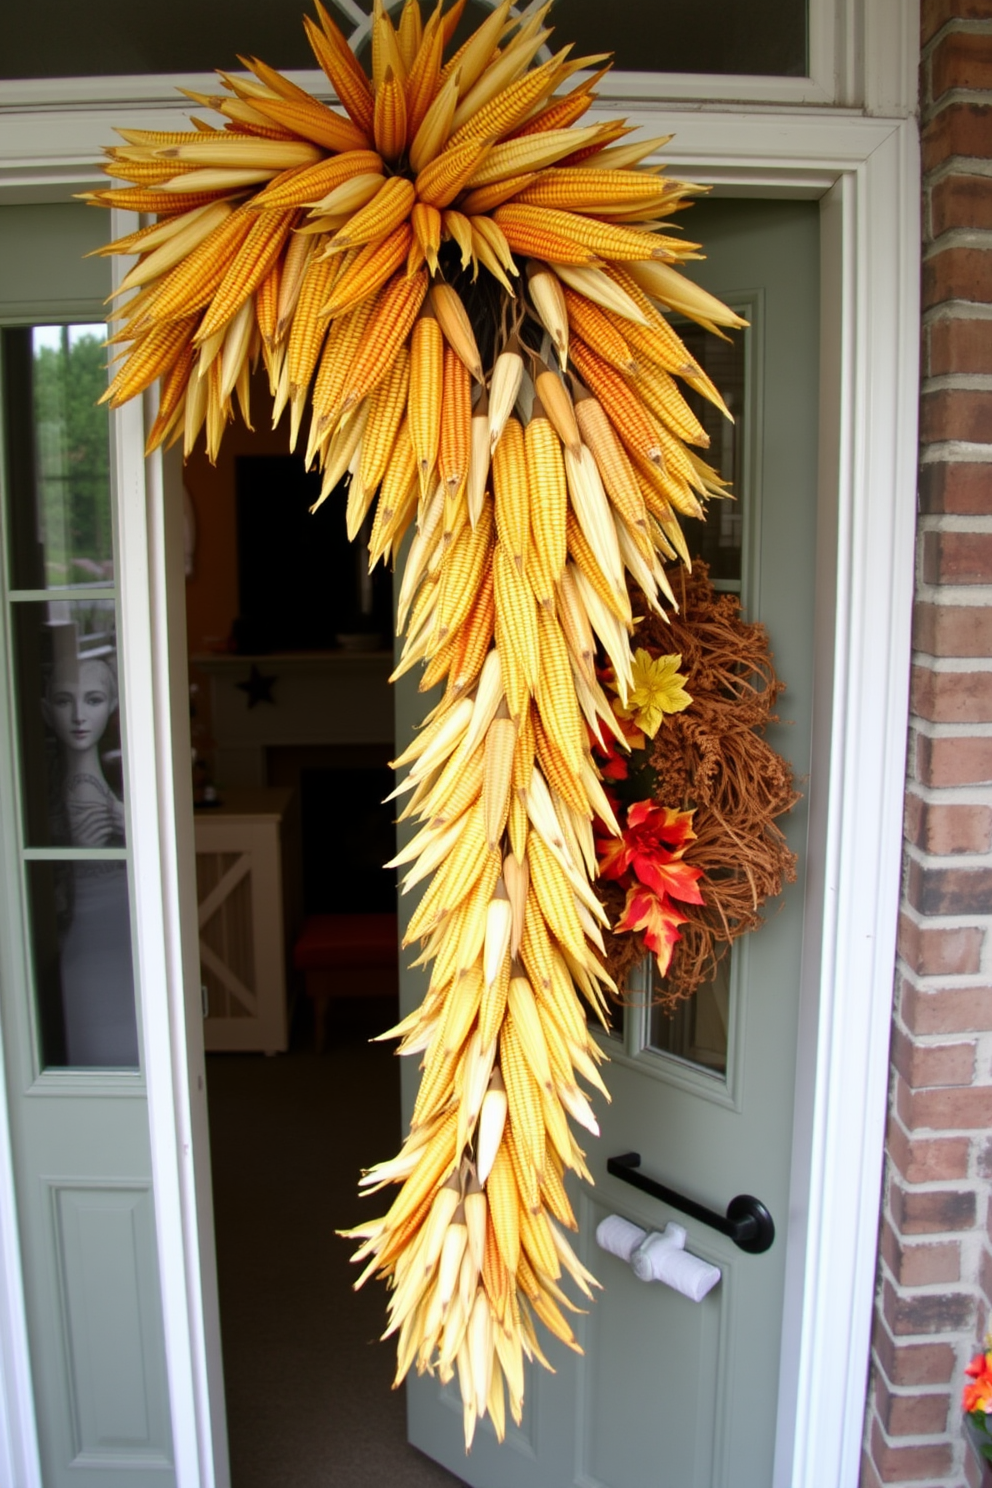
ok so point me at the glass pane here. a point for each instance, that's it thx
(718, 539)
(59, 444)
(697, 1029)
(66, 679)
(84, 983)
(767, 37)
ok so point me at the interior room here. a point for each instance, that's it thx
(292, 729)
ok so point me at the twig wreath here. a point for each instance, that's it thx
(467, 290)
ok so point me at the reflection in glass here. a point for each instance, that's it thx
(697, 1030)
(69, 723)
(84, 983)
(59, 444)
(718, 540)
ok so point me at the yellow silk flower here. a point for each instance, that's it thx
(659, 688)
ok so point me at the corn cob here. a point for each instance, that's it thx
(546, 477)
(454, 445)
(440, 182)
(484, 198)
(345, 73)
(426, 364)
(313, 121)
(457, 327)
(432, 134)
(590, 323)
(535, 152)
(512, 503)
(424, 74)
(259, 253)
(635, 425)
(388, 405)
(373, 266)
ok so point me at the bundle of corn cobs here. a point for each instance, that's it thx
(465, 287)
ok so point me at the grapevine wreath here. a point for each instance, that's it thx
(465, 285)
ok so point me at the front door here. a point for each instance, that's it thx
(672, 1393)
(69, 999)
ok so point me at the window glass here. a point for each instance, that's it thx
(765, 37)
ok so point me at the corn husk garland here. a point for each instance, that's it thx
(463, 282)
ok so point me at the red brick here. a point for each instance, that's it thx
(956, 273)
(962, 760)
(952, 630)
(957, 557)
(959, 129)
(956, 343)
(961, 59)
(920, 1265)
(926, 1065)
(951, 697)
(928, 1312)
(912, 1363)
(956, 1109)
(931, 1211)
(958, 413)
(910, 1415)
(936, 13)
(869, 1477)
(909, 1464)
(962, 487)
(950, 1009)
(944, 830)
(936, 952)
(928, 1159)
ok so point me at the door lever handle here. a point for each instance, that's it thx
(747, 1222)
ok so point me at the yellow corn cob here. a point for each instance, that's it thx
(153, 355)
(432, 134)
(606, 135)
(587, 562)
(637, 428)
(457, 226)
(535, 152)
(170, 402)
(190, 229)
(558, 406)
(386, 54)
(426, 224)
(340, 349)
(461, 574)
(493, 251)
(486, 198)
(535, 1234)
(390, 207)
(457, 878)
(561, 113)
(557, 771)
(389, 123)
(510, 487)
(555, 695)
(424, 74)
(426, 372)
(676, 292)
(501, 1194)
(555, 897)
(477, 633)
(454, 322)
(239, 152)
(661, 396)
(306, 332)
(619, 478)
(454, 443)
(515, 684)
(410, 32)
(147, 172)
(163, 203)
(500, 740)
(663, 489)
(516, 616)
(148, 238)
(193, 283)
(223, 179)
(397, 498)
(267, 305)
(388, 406)
(474, 56)
(524, 1139)
(556, 1199)
(371, 268)
(440, 182)
(548, 299)
(576, 628)
(313, 121)
(601, 239)
(597, 331)
(509, 105)
(344, 71)
(259, 252)
(584, 189)
(549, 499)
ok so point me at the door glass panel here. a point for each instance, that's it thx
(61, 533)
(695, 1029)
(764, 37)
(64, 655)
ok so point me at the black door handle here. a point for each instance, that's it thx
(747, 1222)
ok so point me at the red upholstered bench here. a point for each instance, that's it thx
(346, 956)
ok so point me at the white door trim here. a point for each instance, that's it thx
(866, 171)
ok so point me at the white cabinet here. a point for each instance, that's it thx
(245, 877)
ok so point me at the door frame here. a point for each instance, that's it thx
(865, 172)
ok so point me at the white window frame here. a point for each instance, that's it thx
(865, 171)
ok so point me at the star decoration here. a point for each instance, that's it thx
(257, 687)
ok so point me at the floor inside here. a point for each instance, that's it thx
(309, 1397)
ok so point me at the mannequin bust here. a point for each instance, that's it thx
(77, 708)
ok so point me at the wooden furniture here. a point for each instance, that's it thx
(246, 894)
(353, 955)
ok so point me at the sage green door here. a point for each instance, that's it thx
(672, 1393)
(69, 1001)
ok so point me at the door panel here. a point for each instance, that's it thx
(671, 1393)
(69, 999)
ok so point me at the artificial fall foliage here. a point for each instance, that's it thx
(465, 285)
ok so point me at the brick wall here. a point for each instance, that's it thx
(935, 1255)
